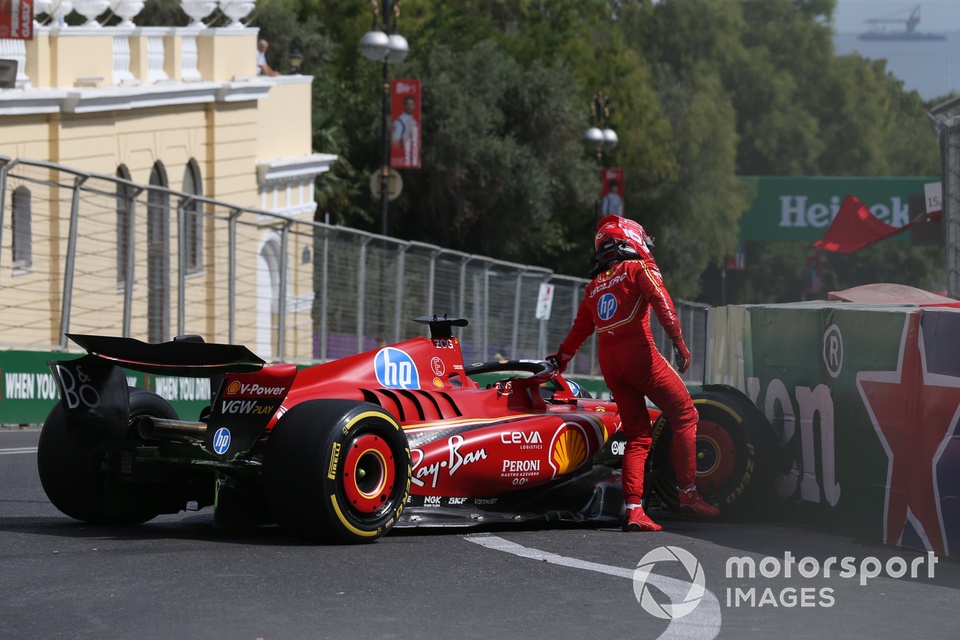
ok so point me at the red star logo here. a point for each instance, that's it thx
(914, 413)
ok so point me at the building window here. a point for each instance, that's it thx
(158, 256)
(125, 195)
(22, 234)
(192, 219)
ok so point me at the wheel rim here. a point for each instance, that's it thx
(368, 474)
(716, 454)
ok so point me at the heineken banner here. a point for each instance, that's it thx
(801, 209)
(865, 401)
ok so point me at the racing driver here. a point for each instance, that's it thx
(626, 283)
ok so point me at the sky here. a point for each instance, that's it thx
(935, 15)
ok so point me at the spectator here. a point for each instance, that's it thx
(263, 69)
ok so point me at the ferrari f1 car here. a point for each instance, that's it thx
(400, 436)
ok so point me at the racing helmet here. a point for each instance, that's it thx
(616, 230)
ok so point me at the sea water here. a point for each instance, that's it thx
(930, 67)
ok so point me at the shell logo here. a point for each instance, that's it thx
(233, 388)
(568, 450)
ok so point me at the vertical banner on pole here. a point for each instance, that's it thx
(16, 19)
(405, 124)
(612, 201)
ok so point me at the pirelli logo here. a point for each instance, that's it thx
(334, 456)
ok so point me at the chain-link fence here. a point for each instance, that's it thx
(96, 254)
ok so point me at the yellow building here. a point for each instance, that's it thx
(148, 132)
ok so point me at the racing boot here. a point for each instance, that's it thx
(638, 520)
(691, 504)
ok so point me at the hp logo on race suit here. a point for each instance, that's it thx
(606, 306)
(221, 440)
(396, 370)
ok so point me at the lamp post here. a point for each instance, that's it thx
(383, 43)
(296, 61)
(600, 137)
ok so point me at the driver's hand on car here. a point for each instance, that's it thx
(560, 360)
(681, 355)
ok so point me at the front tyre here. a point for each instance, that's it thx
(337, 471)
(735, 449)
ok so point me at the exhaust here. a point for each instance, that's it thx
(151, 428)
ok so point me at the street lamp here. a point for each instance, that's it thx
(296, 61)
(383, 43)
(600, 137)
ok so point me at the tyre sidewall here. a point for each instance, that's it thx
(745, 488)
(304, 463)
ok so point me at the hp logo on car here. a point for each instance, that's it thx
(607, 306)
(396, 369)
(221, 441)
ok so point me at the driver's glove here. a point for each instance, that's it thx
(560, 360)
(681, 354)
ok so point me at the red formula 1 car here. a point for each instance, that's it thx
(345, 451)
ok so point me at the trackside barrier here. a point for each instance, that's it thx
(865, 400)
(89, 253)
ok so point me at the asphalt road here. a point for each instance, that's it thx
(179, 577)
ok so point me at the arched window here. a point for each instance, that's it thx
(22, 243)
(192, 219)
(125, 194)
(158, 256)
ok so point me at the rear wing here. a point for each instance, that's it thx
(186, 356)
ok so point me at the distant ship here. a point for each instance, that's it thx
(878, 30)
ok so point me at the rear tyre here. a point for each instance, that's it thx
(72, 468)
(337, 471)
(735, 449)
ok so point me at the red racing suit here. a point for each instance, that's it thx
(617, 304)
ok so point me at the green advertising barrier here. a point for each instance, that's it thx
(28, 391)
(801, 209)
(866, 432)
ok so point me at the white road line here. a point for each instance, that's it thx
(703, 623)
(18, 450)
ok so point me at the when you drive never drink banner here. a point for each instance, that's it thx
(865, 401)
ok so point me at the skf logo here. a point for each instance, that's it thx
(606, 306)
(395, 369)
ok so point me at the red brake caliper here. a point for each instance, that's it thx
(368, 473)
(716, 455)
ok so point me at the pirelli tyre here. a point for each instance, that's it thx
(337, 471)
(74, 469)
(736, 451)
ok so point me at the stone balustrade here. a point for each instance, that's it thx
(63, 57)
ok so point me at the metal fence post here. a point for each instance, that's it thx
(461, 312)
(232, 275)
(3, 199)
(71, 261)
(362, 293)
(398, 299)
(282, 291)
(485, 342)
(431, 282)
(324, 284)
(129, 268)
(515, 328)
(181, 268)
